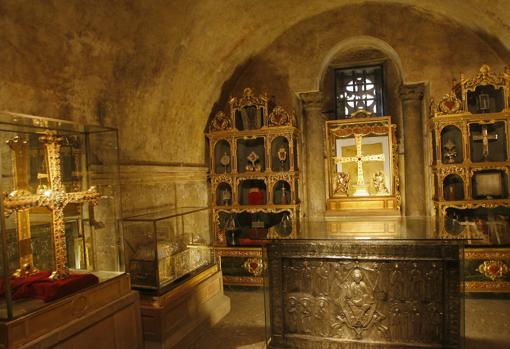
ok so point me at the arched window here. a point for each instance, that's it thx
(359, 88)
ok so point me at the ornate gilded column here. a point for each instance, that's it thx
(412, 110)
(314, 154)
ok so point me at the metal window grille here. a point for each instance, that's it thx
(359, 88)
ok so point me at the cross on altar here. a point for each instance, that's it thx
(485, 137)
(54, 198)
(359, 158)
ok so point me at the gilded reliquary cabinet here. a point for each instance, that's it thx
(254, 179)
(60, 209)
(469, 139)
(362, 165)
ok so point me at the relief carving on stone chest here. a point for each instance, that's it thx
(382, 301)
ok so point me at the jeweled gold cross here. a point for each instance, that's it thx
(54, 198)
(20, 162)
(359, 159)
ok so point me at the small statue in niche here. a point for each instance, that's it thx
(379, 185)
(253, 158)
(342, 183)
(226, 196)
(449, 152)
(284, 199)
(225, 161)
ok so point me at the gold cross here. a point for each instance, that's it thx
(485, 137)
(54, 198)
(20, 161)
(359, 159)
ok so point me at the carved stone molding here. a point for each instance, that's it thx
(130, 174)
(412, 92)
(312, 100)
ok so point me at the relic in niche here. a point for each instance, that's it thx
(342, 183)
(282, 156)
(226, 196)
(284, 227)
(225, 161)
(485, 138)
(253, 158)
(450, 152)
(256, 196)
(284, 200)
(379, 185)
(483, 102)
(232, 230)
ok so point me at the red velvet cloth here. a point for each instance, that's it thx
(256, 198)
(41, 287)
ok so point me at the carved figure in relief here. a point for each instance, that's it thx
(379, 185)
(416, 330)
(321, 279)
(306, 285)
(434, 283)
(397, 290)
(432, 325)
(395, 319)
(322, 316)
(342, 183)
(358, 303)
(292, 315)
(293, 279)
(417, 281)
(306, 315)
(449, 152)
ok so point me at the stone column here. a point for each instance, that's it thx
(412, 111)
(314, 152)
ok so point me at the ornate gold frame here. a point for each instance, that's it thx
(362, 124)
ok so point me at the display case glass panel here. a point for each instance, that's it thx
(166, 245)
(61, 203)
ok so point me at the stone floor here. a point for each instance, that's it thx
(487, 323)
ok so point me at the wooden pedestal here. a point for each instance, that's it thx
(104, 316)
(175, 319)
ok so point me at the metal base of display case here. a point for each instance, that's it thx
(175, 319)
(103, 316)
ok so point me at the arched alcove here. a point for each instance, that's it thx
(363, 51)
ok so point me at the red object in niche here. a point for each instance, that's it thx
(255, 198)
(41, 287)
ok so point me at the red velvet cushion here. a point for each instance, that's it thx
(256, 198)
(41, 287)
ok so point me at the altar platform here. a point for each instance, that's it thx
(364, 283)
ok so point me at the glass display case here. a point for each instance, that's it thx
(167, 245)
(59, 211)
